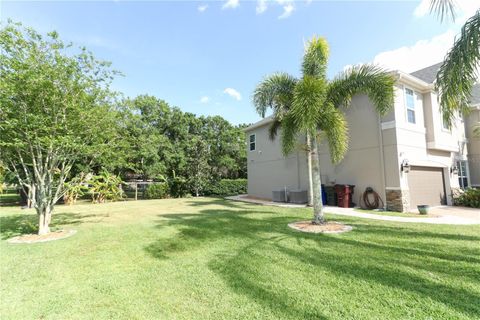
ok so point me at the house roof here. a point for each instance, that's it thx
(258, 124)
(429, 75)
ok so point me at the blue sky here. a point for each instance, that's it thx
(207, 56)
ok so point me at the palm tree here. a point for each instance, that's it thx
(459, 70)
(309, 106)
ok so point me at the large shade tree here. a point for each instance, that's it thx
(310, 107)
(54, 109)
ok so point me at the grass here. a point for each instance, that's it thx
(214, 259)
(9, 198)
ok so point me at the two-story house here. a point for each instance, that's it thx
(409, 156)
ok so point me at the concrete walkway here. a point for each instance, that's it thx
(443, 215)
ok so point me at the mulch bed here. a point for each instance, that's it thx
(34, 238)
(329, 227)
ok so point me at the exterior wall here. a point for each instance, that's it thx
(269, 170)
(439, 138)
(362, 165)
(426, 143)
(377, 147)
(473, 145)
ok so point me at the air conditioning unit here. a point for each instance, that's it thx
(298, 196)
(279, 196)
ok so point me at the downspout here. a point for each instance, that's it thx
(382, 163)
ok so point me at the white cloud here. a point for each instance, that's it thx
(261, 6)
(231, 4)
(464, 9)
(422, 54)
(202, 7)
(422, 9)
(233, 93)
(426, 52)
(204, 99)
(287, 11)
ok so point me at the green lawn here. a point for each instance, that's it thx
(9, 198)
(216, 259)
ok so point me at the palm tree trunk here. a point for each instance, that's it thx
(309, 166)
(318, 217)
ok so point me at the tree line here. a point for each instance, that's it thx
(61, 122)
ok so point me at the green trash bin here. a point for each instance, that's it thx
(331, 195)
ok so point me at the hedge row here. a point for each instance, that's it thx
(157, 191)
(178, 188)
(227, 187)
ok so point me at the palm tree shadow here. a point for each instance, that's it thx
(248, 229)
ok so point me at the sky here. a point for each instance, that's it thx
(206, 57)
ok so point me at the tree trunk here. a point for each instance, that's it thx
(31, 196)
(318, 217)
(44, 217)
(309, 166)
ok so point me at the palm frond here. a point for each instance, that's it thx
(333, 123)
(275, 92)
(371, 80)
(443, 9)
(459, 71)
(315, 58)
(476, 130)
(289, 134)
(273, 129)
(308, 98)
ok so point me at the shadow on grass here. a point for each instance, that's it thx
(370, 253)
(218, 201)
(9, 199)
(18, 224)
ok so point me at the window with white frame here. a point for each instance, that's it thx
(444, 123)
(252, 142)
(462, 167)
(410, 104)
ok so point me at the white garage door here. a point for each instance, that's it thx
(426, 186)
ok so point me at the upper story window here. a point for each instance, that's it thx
(252, 142)
(444, 123)
(410, 104)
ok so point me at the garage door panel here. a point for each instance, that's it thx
(426, 186)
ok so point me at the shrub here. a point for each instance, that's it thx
(156, 191)
(470, 198)
(105, 186)
(75, 188)
(178, 187)
(227, 187)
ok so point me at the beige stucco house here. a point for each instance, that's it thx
(408, 156)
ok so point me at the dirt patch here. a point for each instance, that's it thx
(34, 238)
(329, 227)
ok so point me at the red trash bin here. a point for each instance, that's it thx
(344, 192)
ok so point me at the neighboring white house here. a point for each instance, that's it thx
(408, 156)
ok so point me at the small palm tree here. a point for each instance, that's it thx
(309, 106)
(459, 70)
